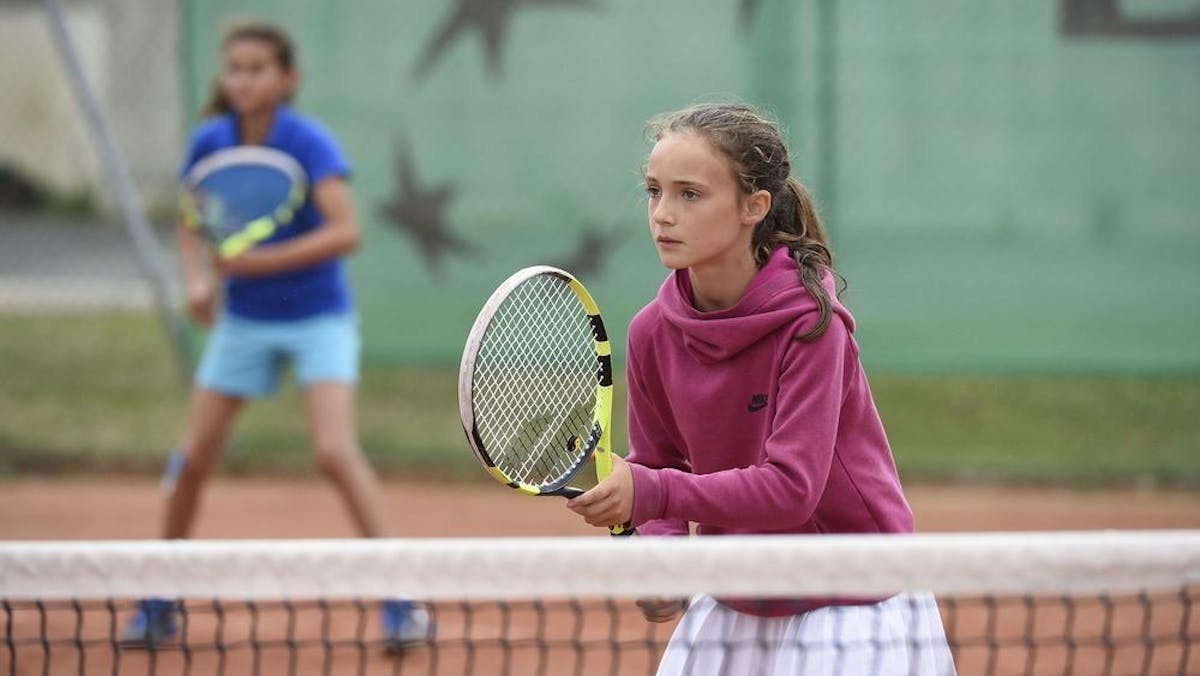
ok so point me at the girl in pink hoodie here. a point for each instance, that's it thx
(750, 412)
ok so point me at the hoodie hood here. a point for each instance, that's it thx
(774, 299)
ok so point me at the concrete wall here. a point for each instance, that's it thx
(130, 50)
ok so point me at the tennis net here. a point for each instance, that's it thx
(1103, 602)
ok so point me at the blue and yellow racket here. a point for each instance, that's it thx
(535, 387)
(239, 196)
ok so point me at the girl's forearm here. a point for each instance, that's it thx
(191, 254)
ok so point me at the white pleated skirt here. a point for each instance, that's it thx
(899, 636)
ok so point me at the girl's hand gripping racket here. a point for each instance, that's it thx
(240, 196)
(535, 386)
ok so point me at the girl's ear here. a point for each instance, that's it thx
(755, 207)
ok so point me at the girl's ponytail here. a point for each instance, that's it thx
(793, 222)
(218, 103)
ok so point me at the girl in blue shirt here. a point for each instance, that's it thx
(286, 300)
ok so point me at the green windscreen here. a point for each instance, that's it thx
(1009, 185)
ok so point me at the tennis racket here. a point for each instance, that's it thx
(239, 196)
(535, 385)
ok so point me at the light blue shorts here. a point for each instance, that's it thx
(247, 357)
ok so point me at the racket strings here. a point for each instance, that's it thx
(534, 383)
(545, 426)
(244, 191)
(242, 194)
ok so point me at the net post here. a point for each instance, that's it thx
(146, 246)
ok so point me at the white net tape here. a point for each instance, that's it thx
(516, 568)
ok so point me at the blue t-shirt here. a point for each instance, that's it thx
(304, 292)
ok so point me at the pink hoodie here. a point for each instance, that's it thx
(737, 426)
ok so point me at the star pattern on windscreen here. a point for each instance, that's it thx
(592, 251)
(420, 213)
(491, 18)
(747, 10)
(1112, 18)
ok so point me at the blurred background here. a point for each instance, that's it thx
(1013, 190)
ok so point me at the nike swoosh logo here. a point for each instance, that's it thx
(754, 408)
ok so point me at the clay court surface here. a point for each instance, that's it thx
(113, 508)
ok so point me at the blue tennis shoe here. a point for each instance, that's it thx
(153, 625)
(405, 625)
